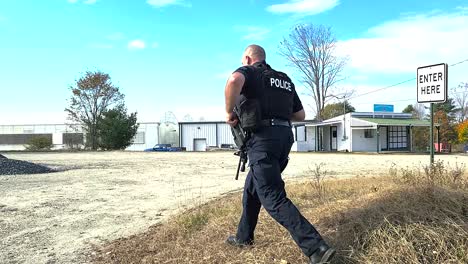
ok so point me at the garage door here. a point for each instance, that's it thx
(199, 144)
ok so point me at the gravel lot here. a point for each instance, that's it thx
(96, 197)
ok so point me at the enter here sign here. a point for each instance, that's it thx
(432, 83)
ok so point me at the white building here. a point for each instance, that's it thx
(199, 136)
(366, 132)
(148, 135)
(15, 137)
(359, 132)
(63, 136)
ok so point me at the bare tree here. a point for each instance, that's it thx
(419, 111)
(460, 96)
(416, 110)
(92, 95)
(311, 50)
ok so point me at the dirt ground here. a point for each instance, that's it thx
(98, 197)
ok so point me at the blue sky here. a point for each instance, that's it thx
(175, 55)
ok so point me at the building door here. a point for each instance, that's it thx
(383, 138)
(199, 144)
(398, 138)
(333, 138)
(320, 144)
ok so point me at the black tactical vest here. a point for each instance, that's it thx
(268, 94)
(278, 94)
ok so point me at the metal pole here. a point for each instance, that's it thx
(344, 107)
(432, 133)
(344, 119)
(378, 139)
(438, 137)
(411, 138)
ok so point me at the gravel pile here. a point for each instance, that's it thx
(13, 167)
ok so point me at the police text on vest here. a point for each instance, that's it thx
(283, 84)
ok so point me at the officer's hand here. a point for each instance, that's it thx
(231, 119)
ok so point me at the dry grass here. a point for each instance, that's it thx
(412, 216)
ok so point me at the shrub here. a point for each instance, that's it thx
(318, 175)
(435, 174)
(39, 143)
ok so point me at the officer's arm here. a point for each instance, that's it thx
(298, 111)
(298, 116)
(233, 89)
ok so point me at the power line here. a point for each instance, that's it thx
(460, 62)
(403, 100)
(393, 85)
(380, 89)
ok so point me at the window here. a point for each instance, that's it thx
(21, 139)
(300, 133)
(139, 138)
(397, 137)
(368, 133)
(28, 130)
(72, 138)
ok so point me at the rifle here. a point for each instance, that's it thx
(240, 138)
(242, 160)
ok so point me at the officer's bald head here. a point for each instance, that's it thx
(252, 54)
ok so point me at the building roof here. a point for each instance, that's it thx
(324, 123)
(305, 122)
(380, 115)
(201, 122)
(396, 121)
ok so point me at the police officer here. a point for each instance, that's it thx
(268, 149)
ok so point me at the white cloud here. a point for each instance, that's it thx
(401, 46)
(253, 33)
(136, 44)
(303, 7)
(162, 3)
(72, 1)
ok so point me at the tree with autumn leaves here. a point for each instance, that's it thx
(451, 125)
(462, 130)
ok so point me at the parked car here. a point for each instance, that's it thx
(164, 147)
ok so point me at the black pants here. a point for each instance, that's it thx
(268, 152)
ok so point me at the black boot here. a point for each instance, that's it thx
(322, 255)
(232, 240)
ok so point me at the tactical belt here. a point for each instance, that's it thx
(275, 122)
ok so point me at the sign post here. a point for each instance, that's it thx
(432, 88)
